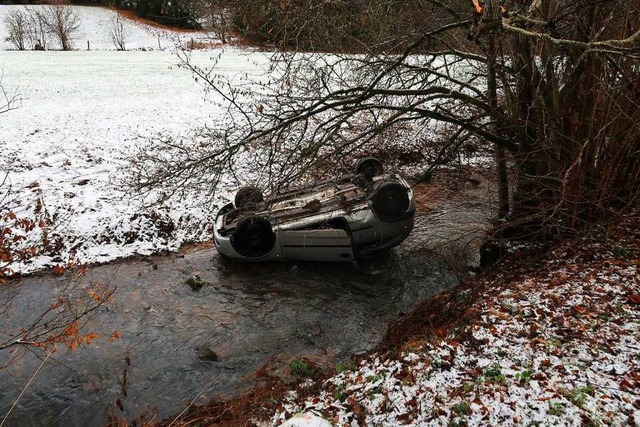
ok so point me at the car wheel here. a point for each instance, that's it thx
(253, 237)
(369, 167)
(390, 201)
(248, 197)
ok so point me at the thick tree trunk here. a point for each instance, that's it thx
(492, 12)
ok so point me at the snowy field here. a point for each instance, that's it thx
(78, 116)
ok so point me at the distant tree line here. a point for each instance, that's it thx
(353, 25)
(328, 25)
(174, 13)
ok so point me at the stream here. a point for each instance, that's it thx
(247, 314)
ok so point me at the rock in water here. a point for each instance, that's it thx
(206, 353)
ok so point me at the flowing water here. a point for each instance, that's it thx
(247, 314)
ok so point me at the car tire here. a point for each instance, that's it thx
(253, 237)
(390, 201)
(369, 167)
(248, 197)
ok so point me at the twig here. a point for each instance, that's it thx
(26, 386)
(190, 403)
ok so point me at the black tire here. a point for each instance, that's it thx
(390, 201)
(369, 167)
(253, 237)
(248, 197)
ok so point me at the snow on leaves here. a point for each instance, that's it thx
(557, 345)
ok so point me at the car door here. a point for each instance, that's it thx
(316, 245)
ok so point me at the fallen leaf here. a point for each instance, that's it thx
(626, 385)
(405, 418)
(634, 299)
(579, 309)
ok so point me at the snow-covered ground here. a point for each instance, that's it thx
(553, 345)
(80, 113)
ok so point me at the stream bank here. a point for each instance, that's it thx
(178, 346)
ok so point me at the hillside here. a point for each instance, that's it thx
(95, 25)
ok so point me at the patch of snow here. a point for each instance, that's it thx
(308, 419)
(556, 350)
(79, 117)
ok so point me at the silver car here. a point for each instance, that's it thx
(338, 219)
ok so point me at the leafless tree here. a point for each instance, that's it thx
(17, 25)
(63, 23)
(218, 15)
(118, 33)
(551, 85)
(38, 29)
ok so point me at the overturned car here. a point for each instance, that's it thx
(338, 219)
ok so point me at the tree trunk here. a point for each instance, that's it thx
(493, 12)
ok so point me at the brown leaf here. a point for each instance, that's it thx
(90, 337)
(634, 299)
(626, 385)
(539, 376)
(579, 309)
(355, 406)
(405, 418)
(537, 341)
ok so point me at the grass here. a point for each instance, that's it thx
(578, 396)
(556, 408)
(375, 378)
(525, 376)
(195, 282)
(492, 374)
(341, 392)
(461, 408)
(303, 368)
